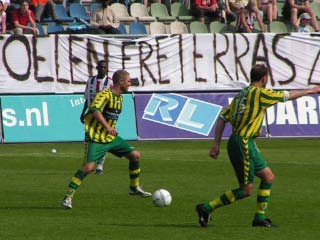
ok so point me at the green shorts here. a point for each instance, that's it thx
(245, 157)
(94, 151)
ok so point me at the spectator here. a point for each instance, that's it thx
(211, 9)
(248, 17)
(3, 24)
(22, 17)
(303, 24)
(43, 8)
(292, 9)
(8, 8)
(104, 19)
(269, 9)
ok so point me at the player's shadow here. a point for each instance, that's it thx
(173, 225)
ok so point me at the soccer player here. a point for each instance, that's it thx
(94, 85)
(102, 137)
(245, 113)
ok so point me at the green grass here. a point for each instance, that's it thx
(33, 181)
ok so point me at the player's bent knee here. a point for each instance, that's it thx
(135, 156)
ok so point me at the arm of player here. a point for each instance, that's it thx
(214, 152)
(294, 94)
(98, 115)
(85, 106)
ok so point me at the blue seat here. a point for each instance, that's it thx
(79, 11)
(94, 6)
(137, 28)
(54, 28)
(122, 28)
(40, 28)
(62, 13)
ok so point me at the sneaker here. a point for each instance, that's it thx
(263, 223)
(67, 203)
(138, 191)
(98, 171)
(204, 216)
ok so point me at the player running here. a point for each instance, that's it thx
(245, 114)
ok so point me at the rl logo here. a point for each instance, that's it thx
(182, 112)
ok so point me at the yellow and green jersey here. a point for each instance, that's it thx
(247, 109)
(110, 105)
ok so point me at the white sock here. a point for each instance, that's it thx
(100, 165)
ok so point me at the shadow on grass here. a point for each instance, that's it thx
(174, 225)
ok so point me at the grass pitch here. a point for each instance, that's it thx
(33, 181)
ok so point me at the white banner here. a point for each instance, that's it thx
(202, 62)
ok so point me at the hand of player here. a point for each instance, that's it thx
(214, 152)
(113, 131)
(82, 118)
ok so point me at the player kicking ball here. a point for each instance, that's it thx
(102, 137)
(245, 114)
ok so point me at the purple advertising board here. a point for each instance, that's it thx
(193, 115)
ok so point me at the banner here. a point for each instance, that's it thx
(54, 118)
(166, 63)
(159, 116)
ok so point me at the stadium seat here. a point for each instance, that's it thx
(198, 27)
(160, 12)
(62, 14)
(158, 28)
(137, 28)
(40, 28)
(54, 28)
(177, 27)
(180, 11)
(316, 8)
(139, 11)
(121, 12)
(79, 11)
(219, 27)
(94, 6)
(280, 5)
(279, 27)
(122, 28)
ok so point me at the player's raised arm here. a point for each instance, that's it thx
(294, 94)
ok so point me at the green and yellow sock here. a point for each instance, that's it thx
(75, 183)
(262, 200)
(134, 173)
(225, 199)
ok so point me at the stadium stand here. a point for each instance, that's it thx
(219, 27)
(93, 6)
(160, 12)
(140, 12)
(79, 11)
(198, 27)
(122, 28)
(279, 27)
(177, 27)
(40, 28)
(137, 28)
(54, 28)
(180, 11)
(158, 28)
(121, 12)
(280, 5)
(316, 7)
(62, 13)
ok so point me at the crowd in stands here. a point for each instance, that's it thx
(244, 16)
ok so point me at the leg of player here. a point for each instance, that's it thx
(204, 210)
(75, 182)
(267, 178)
(134, 175)
(99, 169)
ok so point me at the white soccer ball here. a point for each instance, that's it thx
(161, 198)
